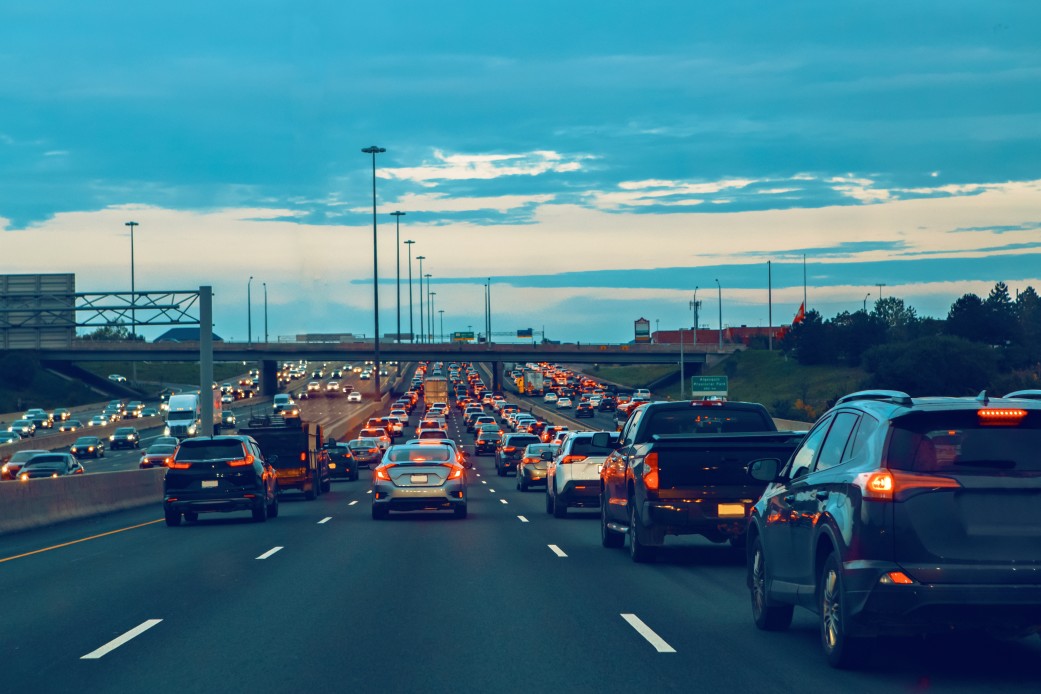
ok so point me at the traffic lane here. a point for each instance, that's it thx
(74, 599)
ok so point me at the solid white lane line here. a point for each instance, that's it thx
(120, 640)
(369, 492)
(522, 519)
(503, 501)
(353, 503)
(268, 553)
(325, 520)
(646, 632)
(557, 550)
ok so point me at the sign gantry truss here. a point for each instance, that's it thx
(100, 309)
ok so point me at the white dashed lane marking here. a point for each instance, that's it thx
(522, 519)
(557, 550)
(268, 553)
(325, 520)
(503, 501)
(120, 640)
(353, 503)
(646, 632)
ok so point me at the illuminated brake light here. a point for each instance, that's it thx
(896, 578)
(456, 472)
(572, 459)
(1006, 417)
(650, 475)
(887, 485)
(248, 460)
(509, 449)
(380, 473)
(179, 466)
(303, 457)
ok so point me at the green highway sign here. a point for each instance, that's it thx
(458, 337)
(708, 385)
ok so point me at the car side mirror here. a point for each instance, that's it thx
(764, 469)
(546, 455)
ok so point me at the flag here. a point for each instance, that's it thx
(801, 315)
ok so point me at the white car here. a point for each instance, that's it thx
(354, 396)
(573, 476)
(563, 403)
(549, 397)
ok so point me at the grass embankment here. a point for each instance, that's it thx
(47, 390)
(167, 372)
(789, 390)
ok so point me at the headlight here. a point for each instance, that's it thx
(112, 438)
(24, 477)
(191, 429)
(166, 431)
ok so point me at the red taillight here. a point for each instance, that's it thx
(456, 472)
(887, 485)
(179, 466)
(381, 473)
(1001, 417)
(650, 472)
(248, 460)
(509, 449)
(374, 450)
(303, 457)
(572, 459)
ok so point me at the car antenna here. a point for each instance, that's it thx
(982, 398)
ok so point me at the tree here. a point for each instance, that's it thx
(899, 319)
(853, 333)
(1004, 325)
(809, 339)
(942, 365)
(17, 370)
(1028, 313)
(108, 333)
(968, 319)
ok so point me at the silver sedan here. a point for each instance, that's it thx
(418, 478)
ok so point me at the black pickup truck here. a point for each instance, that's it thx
(680, 469)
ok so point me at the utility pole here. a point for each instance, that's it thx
(397, 245)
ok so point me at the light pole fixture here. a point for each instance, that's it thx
(249, 310)
(657, 329)
(411, 331)
(866, 296)
(133, 295)
(265, 312)
(422, 316)
(397, 244)
(441, 311)
(720, 287)
(428, 334)
(374, 150)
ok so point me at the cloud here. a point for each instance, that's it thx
(460, 167)
(662, 192)
(441, 202)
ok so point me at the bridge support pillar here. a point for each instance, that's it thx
(268, 377)
(496, 376)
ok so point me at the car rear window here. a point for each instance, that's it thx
(583, 445)
(198, 451)
(420, 454)
(523, 440)
(958, 442)
(704, 420)
(46, 460)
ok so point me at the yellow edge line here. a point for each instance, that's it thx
(76, 542)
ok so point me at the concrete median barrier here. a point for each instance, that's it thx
(41, 502)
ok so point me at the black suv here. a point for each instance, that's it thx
(511, 451)
(898, 515)
(219, 473)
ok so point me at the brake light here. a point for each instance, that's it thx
(374, 450)
(243, 462)
(303, 457)
(509, 449)
(572, 459)
(179, 466)
(381, 473)
(1001, 417)
(889, 485)
(456, 472)
(650, 472)
(896, 578)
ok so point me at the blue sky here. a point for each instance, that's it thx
(598, 160)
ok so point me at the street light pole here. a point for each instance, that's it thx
(422, 316)
(249, 311)
(442, 312)
(133, 295)
(430, 310)
(265, 312)
(880, 285)
(397, 244)
(865, 301)
(695, 306)
(429, 332)
(720, 315)
(411, 332)
(374, 150)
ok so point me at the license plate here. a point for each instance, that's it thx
(208, 484)
(419, 479)
(731, 510)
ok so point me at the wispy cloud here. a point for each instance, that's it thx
(460, 167)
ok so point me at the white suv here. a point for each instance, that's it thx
(573, 476)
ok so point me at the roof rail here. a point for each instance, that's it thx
(895, 396)
(1025, 394)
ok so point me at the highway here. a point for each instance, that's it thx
(323, 598)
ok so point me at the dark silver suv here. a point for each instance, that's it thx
(219, 473)
(900, 515)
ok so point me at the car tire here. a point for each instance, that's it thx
(766, 616)
(522, 484)
(379, 512)
(173, 518)
(326, 486)
(559, 507)
(260, 512)
(499, 471)
(272, 508)
(611, 539)
(638, 551)
(841, 650)
(354, 476)
(311, 493)
(549, 501)
(460, 511)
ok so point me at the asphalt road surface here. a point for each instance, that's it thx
(325, 599)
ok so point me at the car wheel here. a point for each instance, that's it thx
(559, 507)
(173, 518)
(638, 551)
(549, 501)
(326, 486)
(272, 508)
(312, 492)
(608, 538)
(522, 484)
(499, 471)
(766, 616)
(260, 512)
(460, 511)
(841, 650)
(354, 476)
(379, 512)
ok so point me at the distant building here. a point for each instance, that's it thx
(184, 335)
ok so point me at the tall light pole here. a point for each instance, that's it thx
(422, 316)
(489, 310)
(720, 315)
(657, 329)
(880, 285)
(430, 311)
(265, 312)
(374, 150)
(249, 310)
(411, 331)
(133, 295)
(865, 301)
(397, 244)
(442, 312)
(427, 334)
(694, 305)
